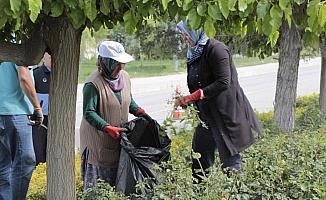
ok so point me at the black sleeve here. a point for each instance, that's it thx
(218, 60)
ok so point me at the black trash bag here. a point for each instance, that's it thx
(141, 148)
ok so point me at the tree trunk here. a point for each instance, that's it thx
(64, 42)
(322, 97)
(287, 76)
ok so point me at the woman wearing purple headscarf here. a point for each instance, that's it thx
(107, 101)
(223, 107)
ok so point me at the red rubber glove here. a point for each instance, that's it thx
(195, 96)
(141, 113)
(113, 131)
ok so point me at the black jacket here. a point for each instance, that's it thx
(42, 86)
(230, 109)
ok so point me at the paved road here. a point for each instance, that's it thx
(258, 83)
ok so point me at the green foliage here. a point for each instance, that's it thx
(267, 122)
(102, 191)
(37, 186)
(278, 166)
(322, 13)
(35, 7)
(214, 12)
(308, 115)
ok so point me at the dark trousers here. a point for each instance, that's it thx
(206, 141)
(40, 141)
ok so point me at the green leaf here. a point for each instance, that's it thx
(90, 9)
(18, 24)
(231, 4)
(251, 27)
(97, 24)
(46, 8)
(56, 9)
(311, 39)
(127, 16)
(272, 39)
(77, 17)
(35, 7)
(299, 2)
(116, 4)
(312, 8)
(288, 15)
(81, 4)
(266, 27)
(187, 4)
(276, 12)
(209, 28)
(262, 9)
(201, 9)
(3, 20)
(129, 21)
(312, 11)
(224, 8)
(322, 15)
(104, 6)
(179, 3)
(71, 3)
(165, 4)
(242, 5)
(194, 19)
(276, 15)
(283, 4)
(214, 12)
(15, 5)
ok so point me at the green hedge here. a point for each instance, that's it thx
(278, 166)
(37, 186)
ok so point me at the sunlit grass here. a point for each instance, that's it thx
(149, 68)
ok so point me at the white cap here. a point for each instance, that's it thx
(115, 51)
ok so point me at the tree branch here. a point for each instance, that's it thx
(30, 52)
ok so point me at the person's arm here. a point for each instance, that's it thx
(133, 107)
(137, 111)
(219, 60)
(27, 85)
(90, 98)
(90, 103)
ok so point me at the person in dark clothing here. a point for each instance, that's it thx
(42, 83)
(223, 107)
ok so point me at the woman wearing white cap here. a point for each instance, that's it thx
(107, 101)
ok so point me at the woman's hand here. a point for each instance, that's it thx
(185, 100)
(113, 131)
(141, 113)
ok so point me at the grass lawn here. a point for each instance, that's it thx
(160, 67)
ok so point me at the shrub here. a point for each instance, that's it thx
(308, 115)
(37, 186)
(278, 166)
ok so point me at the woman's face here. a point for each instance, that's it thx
(187, 39)
(116, 71)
